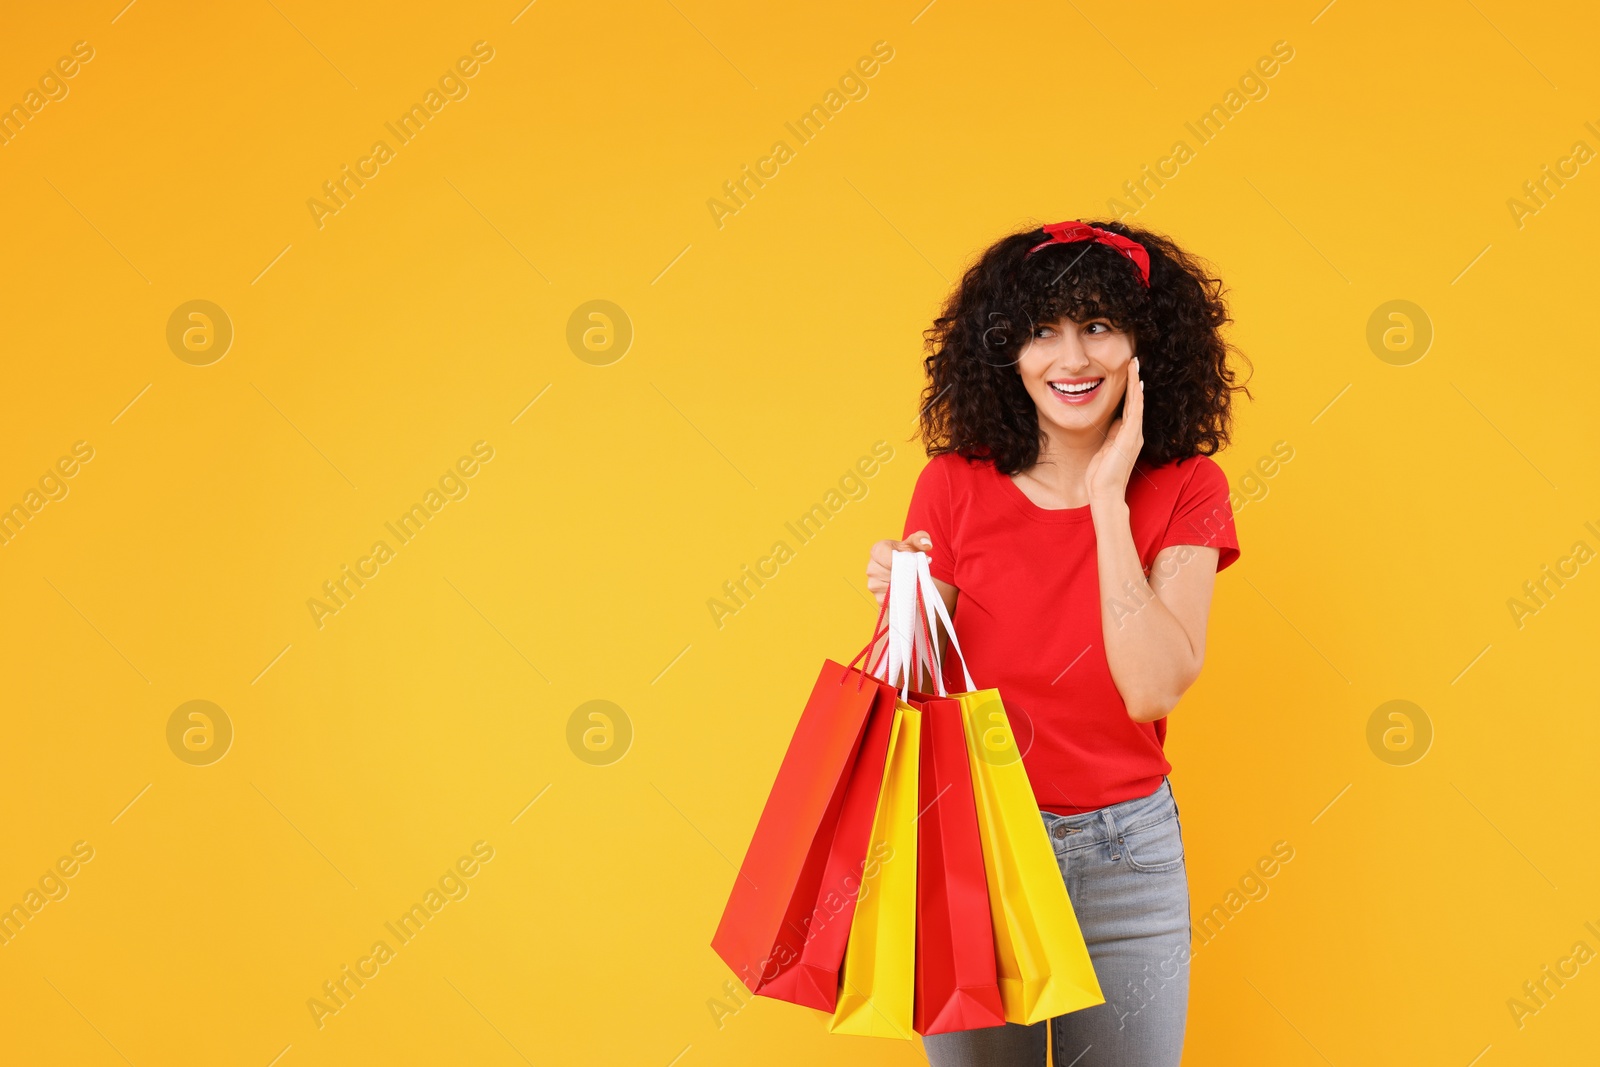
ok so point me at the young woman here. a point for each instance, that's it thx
(1078, 384)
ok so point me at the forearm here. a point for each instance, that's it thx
(1151, 659)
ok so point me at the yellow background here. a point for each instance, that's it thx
(769, 355)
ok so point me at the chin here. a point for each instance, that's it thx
(1068, 421)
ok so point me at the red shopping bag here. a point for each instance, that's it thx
(957, 987)
(957, 984)
(814, 982)
(788, 915)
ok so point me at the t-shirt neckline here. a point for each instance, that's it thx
(1033, 511)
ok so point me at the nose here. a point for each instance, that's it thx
(1070, 354)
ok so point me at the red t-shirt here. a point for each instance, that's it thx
(1028, 614)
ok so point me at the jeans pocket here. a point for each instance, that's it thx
(1154, 848)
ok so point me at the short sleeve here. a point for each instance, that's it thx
(930, 511)
(1203, 514)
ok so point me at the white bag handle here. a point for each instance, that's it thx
(902, 619)
(876, 668)
(930, 596)
(903, 592)
(911, 647)
(911, 596)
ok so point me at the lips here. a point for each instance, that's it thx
(1076, 392)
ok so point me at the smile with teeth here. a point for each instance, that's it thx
(1076, 393)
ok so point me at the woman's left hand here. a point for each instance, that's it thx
(1109, 470)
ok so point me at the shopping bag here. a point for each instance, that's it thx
(877, 986)
(812, 825)
(814, 980)
(1042, 963)
(957, 982)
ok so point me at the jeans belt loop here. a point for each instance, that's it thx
(1113, 834)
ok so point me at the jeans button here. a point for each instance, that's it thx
(1060, 831)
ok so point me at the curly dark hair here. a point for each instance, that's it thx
(975, 403)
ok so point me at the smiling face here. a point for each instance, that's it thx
(1077, 372)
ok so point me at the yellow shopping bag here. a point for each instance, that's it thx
(1042, 961)
(878, 981)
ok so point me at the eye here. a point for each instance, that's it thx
(1098, 327)
(1042, 331)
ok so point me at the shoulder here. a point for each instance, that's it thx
(955, 469)
(1192, 472)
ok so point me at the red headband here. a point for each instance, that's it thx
(1066, 233)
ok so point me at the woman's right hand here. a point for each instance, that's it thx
(881, 560)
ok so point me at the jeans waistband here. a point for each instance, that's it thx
(1112, 821)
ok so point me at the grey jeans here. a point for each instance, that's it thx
(1124, 869)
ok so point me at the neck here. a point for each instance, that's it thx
(1064, 458)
